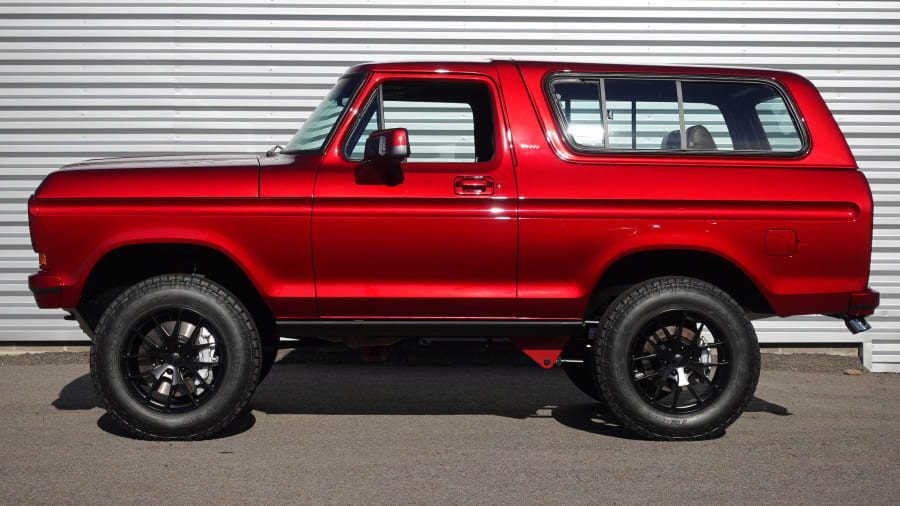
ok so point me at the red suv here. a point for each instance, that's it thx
(624, 222)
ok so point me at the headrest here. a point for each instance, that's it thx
(698, 137)
(672, 140)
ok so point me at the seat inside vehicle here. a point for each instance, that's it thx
(698, 137)
(671, 140)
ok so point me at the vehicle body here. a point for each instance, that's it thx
(533, 223)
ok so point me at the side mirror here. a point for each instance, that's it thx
(385, 149)
(387, 145)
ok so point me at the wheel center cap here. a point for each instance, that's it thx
(174, 357)
(679, 357)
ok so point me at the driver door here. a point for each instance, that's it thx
(440, 242)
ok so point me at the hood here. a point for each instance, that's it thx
(155, 177)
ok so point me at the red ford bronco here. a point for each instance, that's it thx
(624, 222)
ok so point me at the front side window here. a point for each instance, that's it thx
(651, 114)
(318, 127)
(448, 122)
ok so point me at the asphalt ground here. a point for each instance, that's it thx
(491, 430)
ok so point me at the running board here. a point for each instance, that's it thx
(427, 328)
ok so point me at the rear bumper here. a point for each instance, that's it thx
(863, 303)
(46, 288)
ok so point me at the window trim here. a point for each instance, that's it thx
(559, 118)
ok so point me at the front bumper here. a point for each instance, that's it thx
(46, 288)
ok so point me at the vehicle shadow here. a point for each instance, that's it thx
(499, 385)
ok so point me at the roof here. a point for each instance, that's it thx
(487, 66)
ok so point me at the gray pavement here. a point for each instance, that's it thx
(505, 433)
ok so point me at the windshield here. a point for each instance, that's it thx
(318, 127)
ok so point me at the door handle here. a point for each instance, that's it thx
(473, 185)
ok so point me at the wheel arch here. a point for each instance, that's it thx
(634, 266)
(126, 264)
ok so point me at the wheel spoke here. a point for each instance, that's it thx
(664, 329)
(177, 326)
(706, 380)
(139, 375)
(187, 388)
(645, 357)
(691, 390)
(145, 340)
(710, 345)
(706, 364)
(153, 388)
(680, 327)
(166, 338)
(675, 398)
(199, 362)
(192, 340)
(171, 394)
(140, 356)
(196, 374)
(648, 376)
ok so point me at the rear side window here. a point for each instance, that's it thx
(693, 115)
(778, 125)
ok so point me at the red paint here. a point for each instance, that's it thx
(543, 350)
(781, 243)
(315, 243)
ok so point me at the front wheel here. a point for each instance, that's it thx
(175, 357)
(676, 359)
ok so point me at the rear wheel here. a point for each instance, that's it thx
(676, 359)
(175, 357)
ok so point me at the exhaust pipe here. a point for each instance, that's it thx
(857, 324)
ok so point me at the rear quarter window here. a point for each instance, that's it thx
(605, 113)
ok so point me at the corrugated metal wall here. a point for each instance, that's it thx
(94, 78)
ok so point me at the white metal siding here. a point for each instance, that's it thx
(85, 79)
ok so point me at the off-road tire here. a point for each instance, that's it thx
(238, 335)
(614, 347)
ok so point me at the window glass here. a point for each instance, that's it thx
(447, 122)
(641, 113)
(757, 118)
(440, 131)
(321, 122)
(779, 126)
(580, 102)
(709, 117)
(648, 114)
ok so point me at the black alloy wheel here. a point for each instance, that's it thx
(678, 362)
(173, 360)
